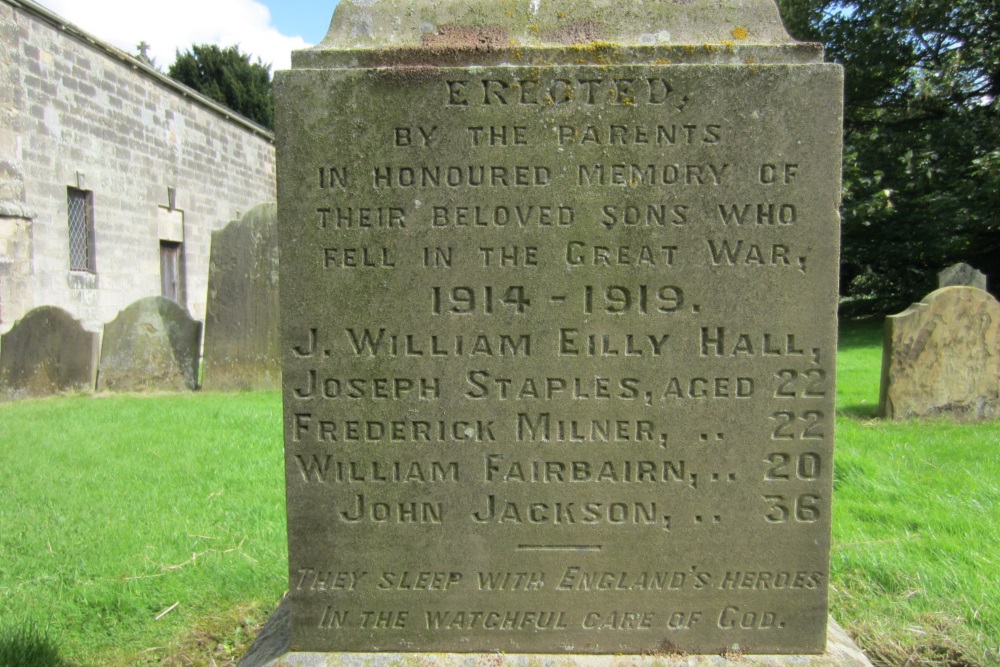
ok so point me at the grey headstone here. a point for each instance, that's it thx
(47, 352)
(242, 349)
(151, 346)
(962, 275)
(558, 304)
(941, 357)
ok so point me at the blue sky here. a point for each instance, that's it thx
(307, 18)
(268, 29)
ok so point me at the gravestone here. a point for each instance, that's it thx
(941, 357)
(152, 345)
(47, 352)
(962, 275)
(558, 310)
(241, 320)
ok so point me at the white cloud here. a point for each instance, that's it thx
(171, 26)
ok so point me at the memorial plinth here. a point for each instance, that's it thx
(558, 308)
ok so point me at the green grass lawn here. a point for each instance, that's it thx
(916, 528)
(150, 530)
(128, 520)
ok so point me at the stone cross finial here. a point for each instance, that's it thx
(143, 47)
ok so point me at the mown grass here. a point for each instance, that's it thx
(125, 520)
(916, 530)
(116, 508)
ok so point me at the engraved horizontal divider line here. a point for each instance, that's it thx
(560, 547)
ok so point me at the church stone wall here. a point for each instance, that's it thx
(161, 164)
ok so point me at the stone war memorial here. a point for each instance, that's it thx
(558, 307)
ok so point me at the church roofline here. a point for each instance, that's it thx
(114, 52)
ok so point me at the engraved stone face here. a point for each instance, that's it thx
(558, 356)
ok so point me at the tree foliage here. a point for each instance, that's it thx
(228, 77)
(921, 139)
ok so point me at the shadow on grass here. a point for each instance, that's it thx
(863, 411)
(860, 333)
(25, 645)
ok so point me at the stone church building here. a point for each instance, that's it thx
(112, 175)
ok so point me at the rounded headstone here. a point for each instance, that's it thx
(47, 352)
(151, 346)
(962, 275)
(941, 357)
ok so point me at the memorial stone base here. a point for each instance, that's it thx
(271, 649)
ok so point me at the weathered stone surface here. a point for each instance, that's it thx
(397, 24)
(962, 275)
(271, 649)
(151, 346)
(382, 32)
(559, 326)
(242, 349)
(941, 357)
(47, 352)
